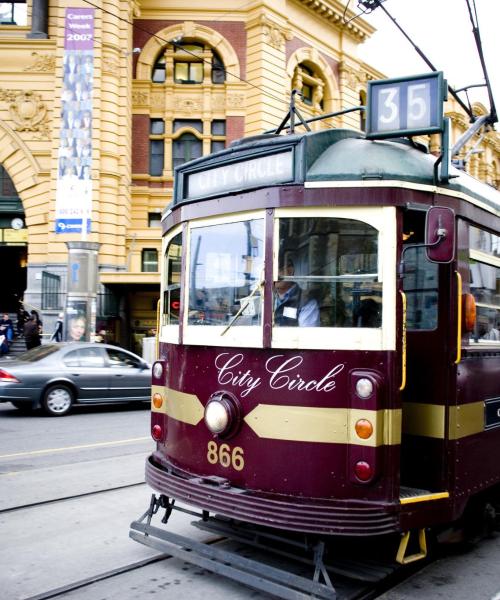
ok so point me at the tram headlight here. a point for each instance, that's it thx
(364, 387)
(157, 370)
(216, 416)
(223, 414)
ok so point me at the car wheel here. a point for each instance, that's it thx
(58, 400)
(24, 407)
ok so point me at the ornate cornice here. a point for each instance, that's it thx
(334, 12)
(28, 111)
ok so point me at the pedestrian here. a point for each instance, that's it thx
(22, 317)
(57, 336)
(32, 333)
(7, 328)
(39, 321)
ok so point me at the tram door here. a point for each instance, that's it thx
(428, 365)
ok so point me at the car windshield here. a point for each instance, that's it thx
(38, 353)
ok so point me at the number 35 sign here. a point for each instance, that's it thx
(405, 106)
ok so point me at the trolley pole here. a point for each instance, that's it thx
(81, 299)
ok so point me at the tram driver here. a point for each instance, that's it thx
(292, 305)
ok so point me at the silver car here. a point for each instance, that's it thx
(56, 376)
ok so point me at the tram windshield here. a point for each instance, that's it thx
(328, 274)
(296, 275)
(226, 270)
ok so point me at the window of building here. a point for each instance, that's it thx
(190, 62)
(156, 126)
(185, 148)
(154, 219)
(149, 260)
(218, 129)
(51, 291)
(218, 71)
(309, 82)
(193, 123)
(156, 157)
(13, 13)
(159, 70)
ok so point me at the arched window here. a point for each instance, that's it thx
(309, 82)
(186, 147)
(189, 62)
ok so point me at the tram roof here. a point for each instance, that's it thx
(328, 156)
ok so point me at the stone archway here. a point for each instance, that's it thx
(23, 170)
(189, 29)
(312, 56)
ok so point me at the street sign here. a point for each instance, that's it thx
(405, 106)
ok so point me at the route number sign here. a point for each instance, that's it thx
(405, 106)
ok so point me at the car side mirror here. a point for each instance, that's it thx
(440, 234)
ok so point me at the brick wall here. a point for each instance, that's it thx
(140, 144)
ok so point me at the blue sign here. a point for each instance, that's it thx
(405, 106)
(71, 225)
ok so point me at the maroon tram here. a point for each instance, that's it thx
(329, 356)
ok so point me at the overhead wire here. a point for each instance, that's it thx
(177, 45)
(477, 37)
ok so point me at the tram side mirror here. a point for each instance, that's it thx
(440, 234)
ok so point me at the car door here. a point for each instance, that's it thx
(87, 368)
(129, 378)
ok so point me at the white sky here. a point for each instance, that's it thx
(443, 32)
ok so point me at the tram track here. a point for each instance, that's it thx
(370, 592)
(68, 498)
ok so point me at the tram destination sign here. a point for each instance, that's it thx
(405, 106)
(254, 172)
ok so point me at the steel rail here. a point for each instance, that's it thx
(67, 498)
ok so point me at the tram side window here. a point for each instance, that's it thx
(420, 283)
(172, 293)
(485, 284)
(328, 274)
(226, 272)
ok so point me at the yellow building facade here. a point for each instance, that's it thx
(170, 81)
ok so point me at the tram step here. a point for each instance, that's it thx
(409, 492)
(260, 576)
(365, 570)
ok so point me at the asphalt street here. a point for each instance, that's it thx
(97, 448)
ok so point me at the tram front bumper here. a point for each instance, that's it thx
(333, 517)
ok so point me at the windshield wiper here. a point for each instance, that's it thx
(258, 285)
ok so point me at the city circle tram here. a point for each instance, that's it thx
(328, 364)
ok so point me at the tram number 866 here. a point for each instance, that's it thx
(224, 456)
